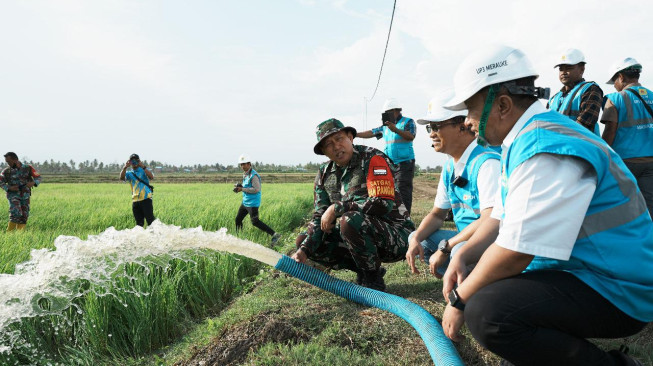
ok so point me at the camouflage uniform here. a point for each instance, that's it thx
(19, 201)
(374, 223)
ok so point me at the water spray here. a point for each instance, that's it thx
(95, 258)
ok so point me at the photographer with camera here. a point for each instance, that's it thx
(251, 188)
(139, 178)
(398, 132)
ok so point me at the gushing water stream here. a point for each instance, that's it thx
(48, 277)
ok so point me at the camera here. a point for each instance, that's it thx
(134, 162)
(236, 186)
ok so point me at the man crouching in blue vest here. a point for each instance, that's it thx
(468, 185)
(359, 219)
(562, 257)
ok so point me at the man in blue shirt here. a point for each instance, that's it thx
(139, 177)
(629, 123)
(398, 135)
(251, 188)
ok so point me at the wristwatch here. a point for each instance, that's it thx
(455, 301)
(443, 246)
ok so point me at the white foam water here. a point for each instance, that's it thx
(48, 274)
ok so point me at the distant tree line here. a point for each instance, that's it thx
(94, 167)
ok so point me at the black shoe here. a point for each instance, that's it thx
(622, 357)
(374, 279)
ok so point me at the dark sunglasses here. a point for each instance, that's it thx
(433, 126)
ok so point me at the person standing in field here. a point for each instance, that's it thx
(251, 188)
(468, 185)
(578, 99)
(17, 180)
(398, 132)
(628, 119)
(139, 177)
(563, 256)
(359, 219)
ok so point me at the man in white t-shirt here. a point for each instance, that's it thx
(468, 184)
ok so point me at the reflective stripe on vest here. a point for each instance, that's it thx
(251, 199)
(464, 200)
(571, 107)
(397, 148)
(635, 125)
(615, 241)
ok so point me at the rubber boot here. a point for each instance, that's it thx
(20, 226)
(11, 226)
(374, 279)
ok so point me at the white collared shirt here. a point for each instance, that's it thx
(487, 181)
(548, 197)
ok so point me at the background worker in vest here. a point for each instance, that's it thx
(139, 178)
(398, 137)
(579, 99)
(17, 180)
(468, 184)
(561, 258)
(359, 220)
(629, 123)
(251, 188)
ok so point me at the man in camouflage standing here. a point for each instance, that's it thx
(17, 180)
(359, 219)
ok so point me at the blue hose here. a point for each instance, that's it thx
(440, 347)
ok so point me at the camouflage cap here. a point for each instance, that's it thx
(328, 128)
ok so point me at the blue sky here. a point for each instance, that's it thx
(204, 81)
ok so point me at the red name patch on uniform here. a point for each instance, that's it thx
(379, 179)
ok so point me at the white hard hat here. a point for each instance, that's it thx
(571, 56)
(487, 66)
(244, 159)
(436, 113)
(623, 64)
(391, 103)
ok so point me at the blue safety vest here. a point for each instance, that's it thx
(634, 138)
(464, 200)
(251, 199)
(569, 105)
(398, 148)
(614, 248)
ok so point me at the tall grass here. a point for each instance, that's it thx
(147, 304)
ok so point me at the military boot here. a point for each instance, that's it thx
(20, 226)
(11, 226)
(374, 279)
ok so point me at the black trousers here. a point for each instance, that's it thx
(404, 181)
(544, 318)
(143, 210)
(253, 216)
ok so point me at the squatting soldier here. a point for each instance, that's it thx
(359, 220)
(17, 180)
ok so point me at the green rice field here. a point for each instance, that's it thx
(146, 304)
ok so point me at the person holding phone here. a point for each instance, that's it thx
(139, 177)
(398, 132)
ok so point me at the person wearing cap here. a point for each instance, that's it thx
(560, 259)
(18, 179)
(398, 137)
(139, 177)
(359, 219)
(628, 119)
(579, 99)
(251, 188)
(468, 185)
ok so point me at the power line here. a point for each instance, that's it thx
(384, 52)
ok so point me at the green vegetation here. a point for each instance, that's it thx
(149, 303)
